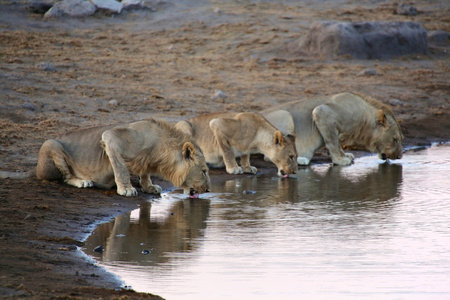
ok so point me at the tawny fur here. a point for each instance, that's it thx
(225, 136)
(105, 156)
(343, 119)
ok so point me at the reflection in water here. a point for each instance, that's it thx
(367, 231)
(144, 235)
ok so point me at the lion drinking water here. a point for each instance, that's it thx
(225, 136)
(342, 119)
(104, 156)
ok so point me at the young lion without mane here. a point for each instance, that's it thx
(342, 119)
(105, 155)
(225, 136)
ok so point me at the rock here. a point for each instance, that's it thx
(30, 217)
(395, 102)
(29, 106)
(113, 103)
(39, 7)
(108, 6)
(71, 8)
(367, 72)
(132, 4)
(363, 40)
(438, 37)
(45, 67)
(218, 95)
(99, 249)
(406, 10)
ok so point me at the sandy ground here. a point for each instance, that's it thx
(168, 62)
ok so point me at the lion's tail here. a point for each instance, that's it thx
(18, 175)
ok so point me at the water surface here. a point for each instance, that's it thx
(372, 230)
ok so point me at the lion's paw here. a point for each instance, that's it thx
(86, 184)
(303, 161)
(235, 170)
(350, 155)
(250, 169)
(80, 183)
(127, 192)
(344, 161)
(153, 189)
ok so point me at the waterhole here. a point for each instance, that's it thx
(371, 230)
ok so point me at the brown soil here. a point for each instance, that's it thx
(56, 75)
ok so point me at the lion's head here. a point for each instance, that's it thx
(388, 138)
(284, 154)
(192, 173)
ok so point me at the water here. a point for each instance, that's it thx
(372, 230)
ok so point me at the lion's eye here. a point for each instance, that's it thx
(395, 141)
(205, 172)
(291, 157)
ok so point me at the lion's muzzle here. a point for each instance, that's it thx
(286, 173)
(195, 193)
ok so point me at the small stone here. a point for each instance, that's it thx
(218, 94)
(45, 67)
(30, 217)
(368, 72)
(217, 10)
(99, 249)
(248, 192)
(113, 103)
(406, 10)
(395, 102)
(29, 106)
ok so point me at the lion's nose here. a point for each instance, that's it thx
(383, 156)
(282, 172)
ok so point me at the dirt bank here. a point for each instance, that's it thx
(56, 75)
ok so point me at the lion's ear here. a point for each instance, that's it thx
(381, 118)
(184, 127)
(278, 138)
(188, 151)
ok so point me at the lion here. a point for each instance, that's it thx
(343, 119)
(104, 156)
(225, 136)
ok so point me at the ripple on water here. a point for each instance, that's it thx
(372, 230)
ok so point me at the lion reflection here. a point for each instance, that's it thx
(146, 234)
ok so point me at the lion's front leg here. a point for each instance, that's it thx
(121, 173)
(225, 148)
(148, 187)
(245, 164)
(326, 120)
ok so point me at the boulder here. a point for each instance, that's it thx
(108, 6)
(39, 6)
(438, 37)
(71, 8)
(363, 40)
(132, 4)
